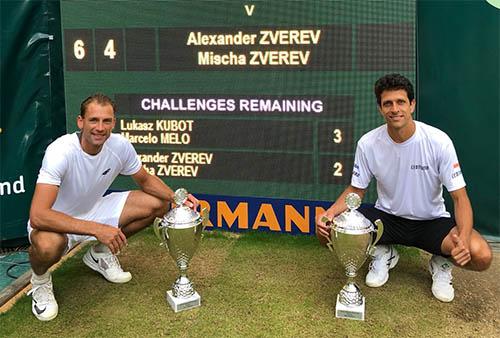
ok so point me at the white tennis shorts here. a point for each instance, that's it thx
(107, 210)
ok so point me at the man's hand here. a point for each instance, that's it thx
(460, 253)
(192, 202)
(112, 237)
(322, 227)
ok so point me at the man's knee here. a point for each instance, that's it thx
(158, 207)
(482, 258)
(48, 246)
(481, 255)
(143, 205)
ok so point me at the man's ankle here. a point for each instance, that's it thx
(40, 279)
(101, 248)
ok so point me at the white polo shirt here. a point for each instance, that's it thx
(410, 175)
(84, 178)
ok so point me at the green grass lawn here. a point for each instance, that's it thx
(252, 285)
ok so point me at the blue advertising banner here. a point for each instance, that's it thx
(242, 214)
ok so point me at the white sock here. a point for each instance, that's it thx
(101, 248)
(40, 279)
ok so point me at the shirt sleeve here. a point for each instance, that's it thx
(361, 173)
(131, 162)
(54, 166)
(450, 173)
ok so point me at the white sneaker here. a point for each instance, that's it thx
(442, 287)
(43, 303)
(107, 265)
(385, 257)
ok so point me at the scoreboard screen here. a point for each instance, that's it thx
(239, 98)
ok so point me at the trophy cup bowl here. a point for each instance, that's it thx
(351, 240)
(180, 231)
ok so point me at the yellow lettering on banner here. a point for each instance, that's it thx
(205, 204)
(149, 138)
(277, 58)
(249, 9)
(240, 214)
(192, 39)
(290, 37)
(270, 220)
(237, 39)
(150, 170)
(292, 215)
(210, 58)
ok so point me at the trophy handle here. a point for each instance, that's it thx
(380, 231)
(329, 243)
(156, 229)
(204, 218)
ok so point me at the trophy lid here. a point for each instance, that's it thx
(352, 221)
(181, 216)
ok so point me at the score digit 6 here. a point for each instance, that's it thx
(78, 49)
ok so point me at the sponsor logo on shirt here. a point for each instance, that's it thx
(419, 167)
(355, 171)
(106, 171)
(457, 172)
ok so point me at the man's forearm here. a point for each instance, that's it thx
(155, 187)
(463, 213)
(464, 220)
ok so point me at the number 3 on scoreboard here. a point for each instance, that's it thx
(337, 135)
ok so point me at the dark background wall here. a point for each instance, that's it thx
(32, 105)
(458, 67)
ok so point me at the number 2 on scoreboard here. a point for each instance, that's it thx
(337, 169)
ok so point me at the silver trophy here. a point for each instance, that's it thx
(180, 231)
(352, 241)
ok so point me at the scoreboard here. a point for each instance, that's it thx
(239, 98)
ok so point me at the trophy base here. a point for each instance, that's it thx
(350, 312)
(180, 304)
